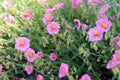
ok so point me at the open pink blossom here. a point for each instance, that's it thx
(95, 34)
(116, 56)
(1, 67)
(10, 19)
(76, 3)
(29, 69)
(101, 15)
(84, 27)
(117, 42)
(118, 14)
(27, 14)
(53, 28)
(63, 70)
(93, 2)
(85, 77)
(49, 11)
(104, 24)
(77, 23)
(22, 43)
(105, 8)
(58, 6)
(30, 55)
(7, 4)
(39, 77)
(40, 54)
(53, 56)
(111, 64)
(47, 18)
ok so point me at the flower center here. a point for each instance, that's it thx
(113, 63)
(27, 14)
(6, 4)
(96, 33)
(118, 57)
(76, 23)
(53, 27)
(57, 6)
(117, 40)
(104, 26)
(31, 54)
(22, 43)
(94, 2)
(48, 19)
(64, 70)
(75, 3)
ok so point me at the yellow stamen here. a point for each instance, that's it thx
(104, 26)
(22, 43)
(96, 33)
(53, 27)
(31, 54)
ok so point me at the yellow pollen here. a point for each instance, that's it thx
(22, 43)
(27, 14)
(113, 63)
(53, 27)
(104, 26)
(31, 55)
(64, 70)
(94, 2)
(118, 57)
(57, 6)
(48, 19)
(96, 33)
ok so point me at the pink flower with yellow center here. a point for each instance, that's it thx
(27, 14)
(93, 2)
(7, 4)
(76, 3)
(22, 43)
(111, 64)
(53, 28)
(58, 6)
(95, 34)
(117, 42)
(53, 56)
(47, 18)
(105, 8)
(77, 23)
(85, 77)
(63, 70)
(104, 24)
(29, 69)
(116, 56)
(30, 55)
(39, 77)
(1, 67)
(40, 54)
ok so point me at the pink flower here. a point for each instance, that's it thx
(63, 70)
(118, 14)
(105, 8)
(29, 69)
(85, 77)
(40, 54)
(76, 3)
(58, 6)
(4, 15)
(117, 42)
(116, 56)
(22, 43)
(101, 15)
(49, 11)
(30, 55)
(68, 26)
(10, 19)
(84, 27)
(1, 67)
(53, 28)
(47, 18)
(104, 24)
(95, 34)
(77, 23)
(93, 2)
(27, 14)
(46, 4)
(7, 4)
(53, 57)
(39, 77)
(111, 64)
